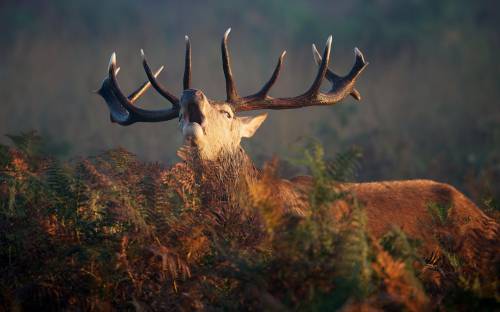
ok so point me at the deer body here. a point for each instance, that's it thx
(213, 131)
(409, 205)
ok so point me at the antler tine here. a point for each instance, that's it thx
(341, 86)
(114, 83)
(314, 89)
(121, 107)
(334, 78)
(262, 94)
(187, 65)
(134, 96)
(359, 65)
(232, 94)
(158, 87)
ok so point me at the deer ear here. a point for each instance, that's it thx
(250, 124)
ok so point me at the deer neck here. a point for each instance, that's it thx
(225, 178)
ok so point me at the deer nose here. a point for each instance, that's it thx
(192, 96)
(193, 100)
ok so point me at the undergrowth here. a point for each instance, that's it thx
(111, 232)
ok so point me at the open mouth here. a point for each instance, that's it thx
(194, 113)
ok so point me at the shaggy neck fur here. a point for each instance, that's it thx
(224, 180)
(229, 181)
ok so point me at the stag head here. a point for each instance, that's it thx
(211, 126)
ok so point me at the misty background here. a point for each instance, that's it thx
(430, 106)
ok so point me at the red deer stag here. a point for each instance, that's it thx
(215, 132)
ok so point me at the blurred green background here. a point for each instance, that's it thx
(430, 105)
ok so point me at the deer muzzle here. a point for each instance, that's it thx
(193, 104)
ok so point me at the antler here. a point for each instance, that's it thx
(341, 86)
(122, 108)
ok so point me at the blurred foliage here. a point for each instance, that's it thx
(111, 232)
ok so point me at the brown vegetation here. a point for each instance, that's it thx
(110, 232)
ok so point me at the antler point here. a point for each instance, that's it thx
(227, 32)
(358, 53)
(316, 55)
(159, 70)
(112, 60)
(329, 40)
(314, 49)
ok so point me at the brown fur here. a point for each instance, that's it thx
(466, 231)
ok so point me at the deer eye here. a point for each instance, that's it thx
(228, 115)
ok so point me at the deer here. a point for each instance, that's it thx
(214, 131)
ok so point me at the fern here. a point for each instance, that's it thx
(345, 165)
(109, 230)
(354, 256)
(30, 143)
(401, 247)
(439, 212)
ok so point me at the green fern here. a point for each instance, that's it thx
(400, 246)
(439, 212)
(344, 166)
(354, 256)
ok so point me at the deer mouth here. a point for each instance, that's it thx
(194, 114)
(193, 121)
